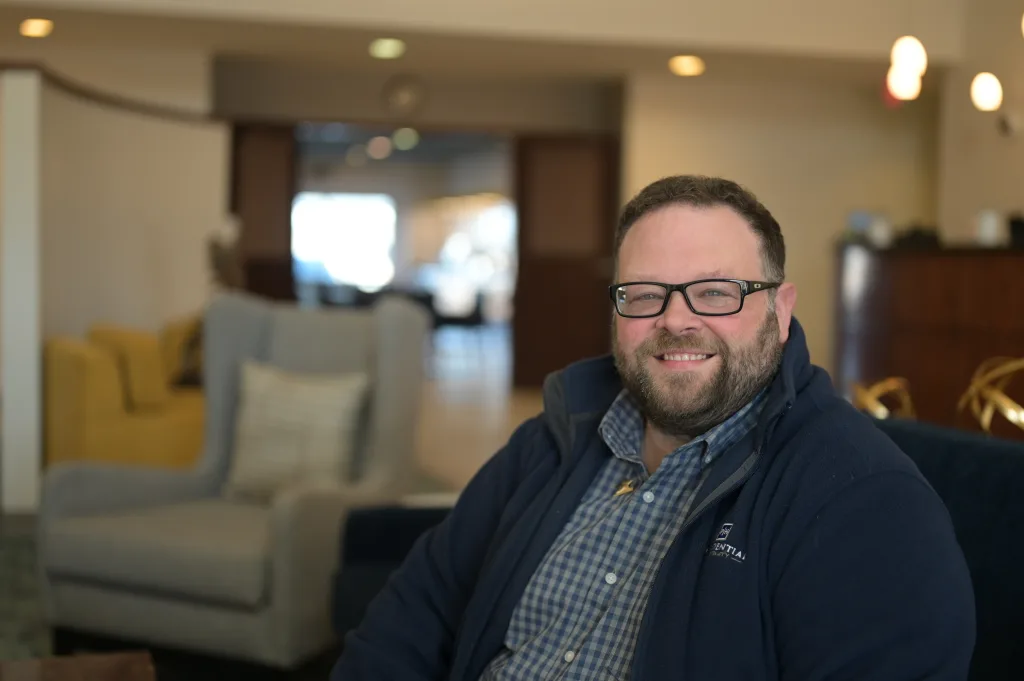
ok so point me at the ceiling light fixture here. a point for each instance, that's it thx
(387, 48)
(908, 54)
(903, 84)
(986, 92)
(36, 28)
(405, 139)
(686, 65)
(379, 148)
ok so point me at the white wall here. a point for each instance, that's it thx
(20, 346)
(128, 203)
(822, 27)
(981, 169)
(811, 151)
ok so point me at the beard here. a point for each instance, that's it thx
(687, 405)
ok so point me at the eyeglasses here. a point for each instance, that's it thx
(706, 297)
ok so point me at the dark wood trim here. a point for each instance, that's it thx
(96, 96)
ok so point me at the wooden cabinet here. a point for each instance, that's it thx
(930, 316)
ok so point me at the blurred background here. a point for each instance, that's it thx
(468, 159)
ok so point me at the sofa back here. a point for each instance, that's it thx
(981, 481)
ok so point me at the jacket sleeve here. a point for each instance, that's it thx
(409, 630)
(877, 588)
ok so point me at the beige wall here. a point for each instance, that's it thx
(811, 151)
(179, 79)
(249, 89)
(980, 168)
(120, 242)
(128, 203)
(864, 28)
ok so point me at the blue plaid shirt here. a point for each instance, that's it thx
(579, 617)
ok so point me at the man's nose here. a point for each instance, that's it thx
(678, 318)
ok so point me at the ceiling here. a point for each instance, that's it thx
(434, 54)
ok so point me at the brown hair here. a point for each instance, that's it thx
(700, 191)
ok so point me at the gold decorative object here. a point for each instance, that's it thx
(986, 394)
(869, 398)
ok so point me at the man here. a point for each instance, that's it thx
(701, 506)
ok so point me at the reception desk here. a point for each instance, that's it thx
(930, 316)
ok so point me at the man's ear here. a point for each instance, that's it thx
(785, 301)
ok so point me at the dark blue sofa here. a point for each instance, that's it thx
(981, 481)
(374, 543)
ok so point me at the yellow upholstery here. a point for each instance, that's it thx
(90, 415)
(138, 354)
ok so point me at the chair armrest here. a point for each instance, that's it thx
(76, 489)
(305, 523)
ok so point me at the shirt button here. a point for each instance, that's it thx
(648, 497)
(611, 578)
(707, 459)
(569, 656)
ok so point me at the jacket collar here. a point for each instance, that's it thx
(586, 389)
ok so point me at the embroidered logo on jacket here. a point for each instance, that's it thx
(720, 549)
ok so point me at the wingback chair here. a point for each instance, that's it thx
(165, 558)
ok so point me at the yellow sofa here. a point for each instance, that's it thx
(109, 398)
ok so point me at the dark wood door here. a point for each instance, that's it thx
(263, 182)
(567, 197)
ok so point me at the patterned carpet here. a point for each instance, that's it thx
(23, 633)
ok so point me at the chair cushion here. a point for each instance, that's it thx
(293, 428)
(210, 550)
(139, 356)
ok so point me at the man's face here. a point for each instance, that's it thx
(689, 372)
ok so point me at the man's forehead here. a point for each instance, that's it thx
(706, 243)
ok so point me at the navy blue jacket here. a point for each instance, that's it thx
(815, 550)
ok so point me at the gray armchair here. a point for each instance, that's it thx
(161, 557)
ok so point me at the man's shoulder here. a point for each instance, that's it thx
(834, 447)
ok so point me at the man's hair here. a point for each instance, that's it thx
(707, 192)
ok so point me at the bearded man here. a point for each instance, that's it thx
(699, 505)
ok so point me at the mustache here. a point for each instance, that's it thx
(666, 342)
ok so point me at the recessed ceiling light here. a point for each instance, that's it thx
(405, 138)
(387, 48)
(379, 148)
(36, 28)
(686, 65)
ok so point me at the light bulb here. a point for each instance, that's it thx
(686, 65)
(387, 48)
(903, 84)
(908, 53)
(36, 28)
(986, 92)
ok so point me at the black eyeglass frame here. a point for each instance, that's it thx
(747, 287)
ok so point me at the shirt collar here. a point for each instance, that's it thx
(622, 429)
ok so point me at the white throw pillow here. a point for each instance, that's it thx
(293, 428)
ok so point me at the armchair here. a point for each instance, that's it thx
(162, 557)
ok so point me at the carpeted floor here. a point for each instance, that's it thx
(23, 633)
